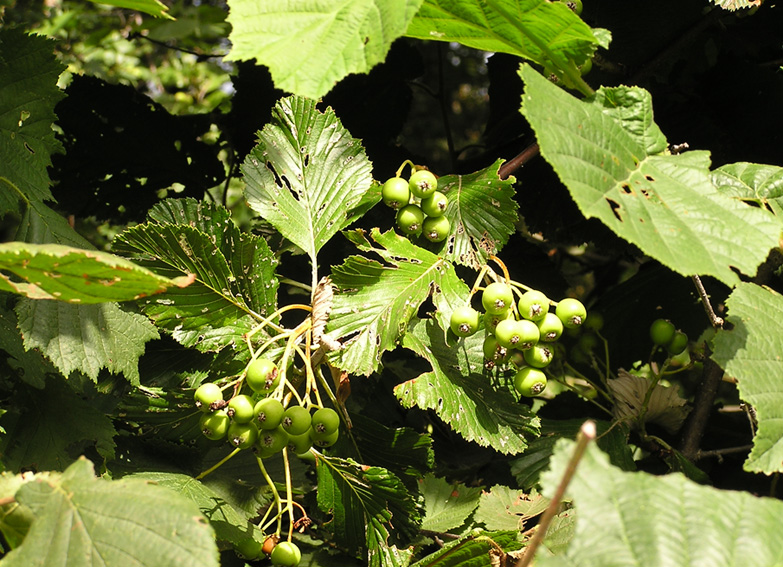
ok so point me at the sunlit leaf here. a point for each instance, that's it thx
(310, 45)
(477, 549)
(753, 183)
(750, 351)
(504, 508)
(448, 504)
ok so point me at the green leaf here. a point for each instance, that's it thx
(400, 449)
(310, 45)
(537, 30)
(86, 338)
(83, 521)
(632, 108)
(374, 301)
(230, 524)
(753, 183)
(365, 502)
(27, 365)
(235, 285)
(664, 204)
(750, 352)
(306, 174)
(733, 5)
(29, 93)
(473, 404)
(54, 271)
(626, 519)
(448, 504)
(151, 7)
(15, 518)
(482, 212)
(56, 427)
(478, 549)
(504, 508)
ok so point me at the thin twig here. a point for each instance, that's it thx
(720, 452)
(696, 423)
(715, 321)
(518, 161)
(586, 434)
(442, 102)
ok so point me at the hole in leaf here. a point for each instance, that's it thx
(307, 160)
(649, 178)
(271, 168)
(626, 188)
(615, 208)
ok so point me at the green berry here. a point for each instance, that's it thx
(435, 205)
(240, 408)
(269, 413)
(242, 435)
(571, 312)
(497, 298)
(262, 375)
(410, 218)
(300, 444)
(286, 554)
(533, 305)
(530, 381)
(395, 193)
(436, 229)
(662, 332)
(678, 343)
(296, 420)
(550, 327)
(325, 421)
(423, 183)
(207, 394)
(539, 356)
(271, 441)
(215, 425)
(464, 321)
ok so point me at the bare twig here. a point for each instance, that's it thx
(715, 321)
(586, 434)
(696, 423)
(518, 161)
(720, 452)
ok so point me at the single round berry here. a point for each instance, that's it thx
(464, 321)
(571, 312)
(497, 298)
(435, 205)
(271, 442)
(436, 229)
(530, 381)
(269, 413)
(493, 350)
(323, 440)
(240, 408)
(262, 375)
(410, 218)
(492, 321)
(242, 435)
(662, 332)
(300, 444)
(533, 305)
(207, 394)
(325, 421)
(395, 193)
(678, 343)
(550, 327)
(539, 356)
(286, 554)
(296, 420)
(508, 333)
(529, 335)
(269, 544)
(249, 548)
(423, 183)
(214, 425)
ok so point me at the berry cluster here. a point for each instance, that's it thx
(259, 420)
(420, 206)
(663, 333)
(526, 325)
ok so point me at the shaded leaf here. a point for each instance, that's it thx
(306, 174)
(54, 271)
(365, 502)
(15, 518)
(482, 212)
(640, 519)
(235, 285)
(750, 352)
(80, 518)
(151, 7)
(29, 93)
(448, 504)
(309, 46)
(374, 301)
(504, 508)
(26, 365)
(665, 407)
(664, 204)
(536, 30)
(57, 426)
(476, 406)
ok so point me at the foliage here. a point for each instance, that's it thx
(187, 221)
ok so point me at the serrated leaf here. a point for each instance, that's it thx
(56, 427)
(28, 365)
(476, 406)
(400, 449)
(230, 525)
(534, 28)
(374, 301)
(365, 502)
(86, 337)
(504, 508)
(632, 108)
(306, 174)
(665, 406)
(733, 5)
(308, 45)
(151, 7)
(752, 182)
(750, 352)
(448, 504)
(15, 518)
(83, 521)
(28, 95)
(478, 549)
(664, 204)
(638, 519)
(54, 271)
(235, 285)
(482, 212)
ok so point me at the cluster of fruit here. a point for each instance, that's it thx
(420, 206)
(259, 420)
(663, 333)
(526, 325)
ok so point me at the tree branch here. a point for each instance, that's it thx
(518, 161)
